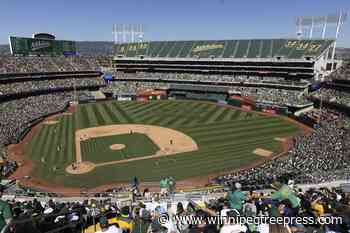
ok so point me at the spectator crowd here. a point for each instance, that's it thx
(16, 115)
(343, 72)
(320, 157)
(331, 95)
(275, 96)
(146, 215)
(124, 87)
(10, 64)
(19, 114)
(249, 79)
(50, 84)
(259, 94)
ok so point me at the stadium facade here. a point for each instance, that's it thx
(287, 58)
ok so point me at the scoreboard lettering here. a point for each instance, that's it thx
(308, 46)
(207, 47)
(124, 48)
(37, 45)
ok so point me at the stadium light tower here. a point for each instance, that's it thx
(308, 24)
(128, 33)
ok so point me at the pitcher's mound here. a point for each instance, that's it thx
(117, 146)
(262, 152)
(80, 168)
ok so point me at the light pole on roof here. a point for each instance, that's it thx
(309, 23)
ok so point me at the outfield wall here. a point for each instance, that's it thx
(34, 122)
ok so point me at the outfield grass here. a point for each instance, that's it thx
(226, 139)
(136, 145)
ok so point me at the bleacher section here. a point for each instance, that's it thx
(285, 48)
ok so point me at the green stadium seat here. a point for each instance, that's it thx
(276, 46)
(254, 49)
(219, 51)
(155, 48)
(284, 50)
(196, 49)
(207, 49)
(241, 51)
(164, 52)
(229, 49)
(142, 48)
(131, 50)
(186, 50)
(317, 47)
(174, 52)
(292, 48)
(266, 50)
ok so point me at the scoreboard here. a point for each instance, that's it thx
(46, 47)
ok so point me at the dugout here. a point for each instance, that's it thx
(239, 101)
(151, 95)
(271, 108)
(124, 96)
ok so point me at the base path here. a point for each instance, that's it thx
(169, 141)
(51, 122)
(263, 152)
(280, 139)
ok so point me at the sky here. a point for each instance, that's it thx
(86, 20)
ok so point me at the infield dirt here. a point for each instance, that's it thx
(27, 166)
(169, 141)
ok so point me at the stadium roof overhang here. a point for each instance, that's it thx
(278, 59)
(225, 50)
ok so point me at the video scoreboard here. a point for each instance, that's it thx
(21, 46)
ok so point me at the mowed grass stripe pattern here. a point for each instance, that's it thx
(226, 138)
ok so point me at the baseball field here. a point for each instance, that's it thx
(111, 142)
